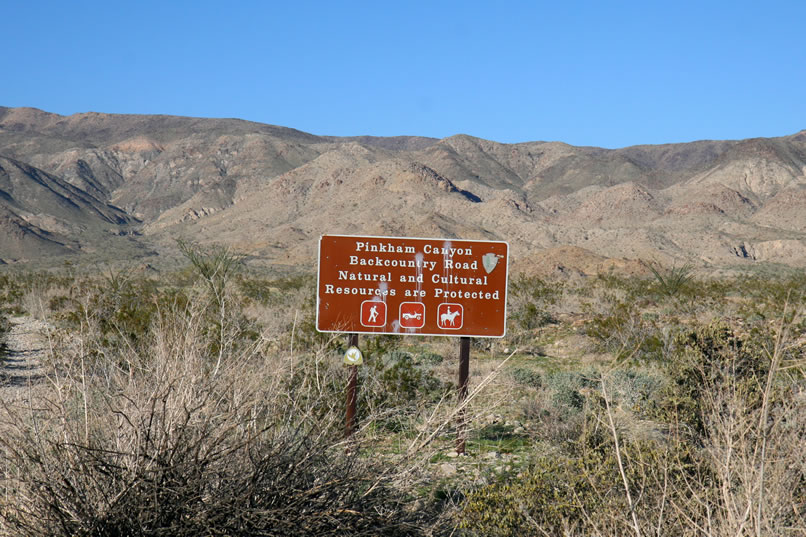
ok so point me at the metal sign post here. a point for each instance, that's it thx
(352, 393)
(464, 370)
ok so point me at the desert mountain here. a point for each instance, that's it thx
(42, 214)
(271, 191)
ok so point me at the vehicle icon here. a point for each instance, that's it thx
(412, 315)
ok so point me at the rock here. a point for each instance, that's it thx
(447, 469)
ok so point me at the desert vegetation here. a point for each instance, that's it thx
(203, 402)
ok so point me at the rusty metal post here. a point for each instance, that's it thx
(352, 393)
(464, 370)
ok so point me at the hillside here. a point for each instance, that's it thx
(72, 182)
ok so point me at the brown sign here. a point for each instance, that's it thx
(387, 285)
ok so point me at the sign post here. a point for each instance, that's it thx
(464, 370)
(352, 392)
(412, 286)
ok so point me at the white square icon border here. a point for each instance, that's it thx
(361, 316)
(442, 316)
(400, 316)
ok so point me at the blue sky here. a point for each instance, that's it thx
(607, 74)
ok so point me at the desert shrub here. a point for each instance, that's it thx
(627, 334)
(5, 328)
(7, 300)
(392, 387)
(427, 358)
(119, 307)
(299, 321)
(581, 493)
(763, 297)
(531, 316)
(557, 407)
(549, 490)
(535, 289)
(11, 293)
(566, 387)
(15, 285)
(59, 303)
(529, 301)
(635, 290)
(553, 425)
(216, 267)
(171, 447)
(736, 400)
(671, 281)
(707, 356)
(272, 292)
(527, 377)
(773, 291)
(744, 477)
(633, 389)
(114, 315)
(405, 381)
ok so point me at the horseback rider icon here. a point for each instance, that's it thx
(450, 316)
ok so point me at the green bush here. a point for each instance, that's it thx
(272, 292)
(405, 382)
(529, 301)
(579, 489)
(708, 356)
(391, 386)
(5, 328)
(121, 306)
(11, 293)
(624, 332)
(527, 377)
(633, 389)
(394, 387)
(566, 389)
(426, 358)
(580, 494)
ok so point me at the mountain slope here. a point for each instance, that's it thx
(41, 214)
(271, 191)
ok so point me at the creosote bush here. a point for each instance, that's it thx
(121, 307)
(529, 300)
(624, 332)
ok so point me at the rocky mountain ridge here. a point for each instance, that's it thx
(68, 182)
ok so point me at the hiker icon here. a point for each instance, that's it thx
(373, 313)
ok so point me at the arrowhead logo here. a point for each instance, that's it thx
(489, 261)
(353, 356)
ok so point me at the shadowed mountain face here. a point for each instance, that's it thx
(68, 182)
(43, 215)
